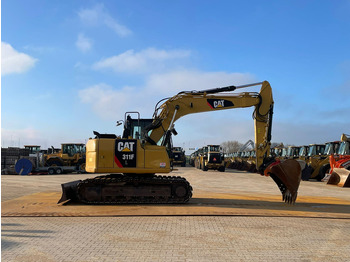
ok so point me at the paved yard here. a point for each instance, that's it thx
(175, 238)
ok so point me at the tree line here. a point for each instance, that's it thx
(234, 146)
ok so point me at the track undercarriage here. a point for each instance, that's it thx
(128, 189)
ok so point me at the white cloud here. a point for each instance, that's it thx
(146, 60)
(83, 43)
(18, 137)
(111, 103)
(98, 15)
(13, 61)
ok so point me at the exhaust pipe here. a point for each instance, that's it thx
(69, 192)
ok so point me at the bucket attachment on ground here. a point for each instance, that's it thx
(287, 176)
(69, 192)
(340, 177)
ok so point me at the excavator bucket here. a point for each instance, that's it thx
(287, 176)
(340, 177)
(69, 192)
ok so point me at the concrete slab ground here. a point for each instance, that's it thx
(180, 238)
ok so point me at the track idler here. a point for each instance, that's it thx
(287, 176)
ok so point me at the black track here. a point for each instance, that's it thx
(125, 189)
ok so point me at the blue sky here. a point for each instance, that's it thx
(71, 67)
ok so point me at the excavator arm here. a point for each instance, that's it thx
(186, 103)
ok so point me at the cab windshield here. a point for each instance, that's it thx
(214, 148)
(284, 152)
(316, 150)
(136, 128)
(303, 151)
(344, 148)
(328, 149)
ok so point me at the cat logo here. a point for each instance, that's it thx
(126, 146)
(219, 103)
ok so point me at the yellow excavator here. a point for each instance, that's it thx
(144, 149)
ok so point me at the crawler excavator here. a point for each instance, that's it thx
(133, 159)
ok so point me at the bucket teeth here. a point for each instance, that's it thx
(290, 198)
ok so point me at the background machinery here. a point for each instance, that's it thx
(239, 158)
(71, 154)
(134, 159)
(71, 158)
(317, 162)
(293, 152)
(212, 158)
(178, 156)
(339, 165)
(33, 150)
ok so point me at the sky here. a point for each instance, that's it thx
(71, 67)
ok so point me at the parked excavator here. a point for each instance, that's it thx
(143, 150)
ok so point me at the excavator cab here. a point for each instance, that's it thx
(135, 128)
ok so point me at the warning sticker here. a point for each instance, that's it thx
(125, 152)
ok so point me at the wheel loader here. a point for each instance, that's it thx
(317, 163)
(277, 151)
(133, 160)
(71, 154)
(212, 158)
(293, 152)
(303, 153)
(339, 165)
(178, 156)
